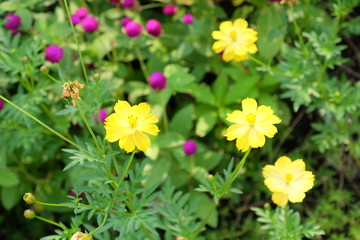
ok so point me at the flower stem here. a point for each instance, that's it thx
(126, 169)
(203, 223)
(42, 124)
(153, 5)
(142, 64)
(266, 66)
(51, 222)
(76, 40)
(54, 79)
(164, 114)
(54, 204)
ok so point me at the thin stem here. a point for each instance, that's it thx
(54, 79)
(102, 224)
(54, 204)
(126, 169)
(153, 5)
(164, 114)
(266, 66)
(298, 31)
(142, 64)
(203, 223)
(42, 124)
(88, 126)
(77, 41)
(51, 222)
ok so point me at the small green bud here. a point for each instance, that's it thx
(29, 214)
(267, 206)
(29, 198)
(81, 236)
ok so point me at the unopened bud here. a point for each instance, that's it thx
(267, 206)
(81, 236)
(44, 69)
(96, 76)
(29, 198)
(29, 214)
(210, 176)
(180, 238)
(24, 58)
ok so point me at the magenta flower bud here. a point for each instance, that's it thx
(54, 53)
(90, 24)
(189, 147)
(75, 19)
(153, 27)
(125, 20)
(13, 22)
(82, 13)
(133, 29)
(157, 81)
(81, 195)
(169, 9)
(188, 18)
(1, 104)
(102, 115)
(127, 3)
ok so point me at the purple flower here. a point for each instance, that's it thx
(188, 18)
(153, 27)
(133, 29)
(75, 19)
(189, 147)
(169, 9)
(157, 81)
(127, 3)
(1, 104)
(81, 195)
(102, 115)
(125, 20)
(13, 22)
(90, 24)
(82, 13)
(54, 53)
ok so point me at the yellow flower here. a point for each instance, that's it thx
(251, 125)
(288, 180)
(129, 124)
(235, 40)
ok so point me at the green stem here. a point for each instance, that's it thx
(42, 124)
(77, 41)
(88, 127)
(54, 204)
(164, 114)
(153, 5)
(298, 31)
(51, 222)
(126, 169)
(142, 64)
(266, 66)
(203, 223)
(101, 225)
(54, 79)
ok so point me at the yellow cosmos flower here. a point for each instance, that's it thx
(288, 180)
(251, 125)
(235, 40)
(129, 124)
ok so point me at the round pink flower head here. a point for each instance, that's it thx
(90, 24)
(189, 147)
(125, 20)
(1, 104)
(188, 18)
(54, 53)
(102, 115)
(75, 19)
(13, 22)
(82, 13)
(127, 3)
(169, 9)
(81, 195)
(153, 27)
(133, 29)
(157, 81)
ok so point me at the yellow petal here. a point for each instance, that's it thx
(218, 35)
(242, 143)
(252, 48)
(295, 196)
(249, 105)
(236, 131)
(229, 53)
(142, 141)
(240, 23)
(240, 50)
(239, 58)
(148, 128)
(237, 117)
(304, 182)
(122, 107)
(279, 199)
(266, 129)
(273, 179)
(283, 164)
(127, 143)
(226, 27)
(256, 138)
(219, 46)
(141, 110)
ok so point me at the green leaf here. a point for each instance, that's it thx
(102, 44)
(205, 123)
(204, 205)
(202, 93)
(9, 196)
(8, 178)
(178, 77)
(182, 120)
(220, 87)
(184, 50)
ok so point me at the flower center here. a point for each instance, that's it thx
(288, 177)
(132, 121)
(233, 35)
(251, 118)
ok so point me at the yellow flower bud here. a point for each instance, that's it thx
(29, 198)
(29, 214)
(81, 236)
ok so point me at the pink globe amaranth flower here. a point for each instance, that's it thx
(90, 24)
(15, 31)
(13, 22)
(75, 19)
(127, 3)
(188, 18)
(153, 27)
(125, 20)
(102, 115)
(133, 29)
(157, 81)
(1, 104)
(169, 9)
(81, 195)
(189, 147)
(82, 13)
(54, 53)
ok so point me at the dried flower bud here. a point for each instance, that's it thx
(81, 236)
(29, 198)
(44, 69)
(25, 59)
(72, 90)
(29, 214)
(180, 238)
